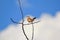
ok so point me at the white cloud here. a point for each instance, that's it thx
(47, 29)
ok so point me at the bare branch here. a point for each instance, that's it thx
(19, 1)
(32, 31)
(21, 23)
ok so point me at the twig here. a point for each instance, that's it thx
(22, 19)
(32, 31)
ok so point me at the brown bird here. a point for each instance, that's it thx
(29, 19)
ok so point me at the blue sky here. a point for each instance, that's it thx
(10, 9)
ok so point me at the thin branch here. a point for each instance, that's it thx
(32, 31)
(15, 21)
(22, 19)
(21, 23)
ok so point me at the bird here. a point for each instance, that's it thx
(30, 20)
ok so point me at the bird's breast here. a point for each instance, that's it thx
(29, 19)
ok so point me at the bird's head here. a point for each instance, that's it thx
(28, 16)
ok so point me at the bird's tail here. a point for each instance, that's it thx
(34, 18)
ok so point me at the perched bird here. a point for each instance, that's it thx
(29, 19)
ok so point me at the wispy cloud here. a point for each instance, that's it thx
(47, 29)
(24, 3)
